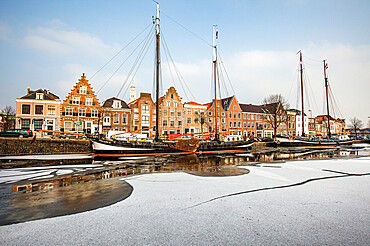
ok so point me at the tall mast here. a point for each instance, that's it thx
(157, 75)
(327, 97)
(302, 101)
(215, 36)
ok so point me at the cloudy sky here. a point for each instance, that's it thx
(49, 44)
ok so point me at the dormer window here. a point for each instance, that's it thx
(40, 96)
(116, 104)
(83, 89)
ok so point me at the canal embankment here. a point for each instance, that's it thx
(45, 146)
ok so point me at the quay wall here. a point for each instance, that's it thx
(29, 146)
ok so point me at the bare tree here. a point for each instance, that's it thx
(275, 106)
(9, 117)
(355, 124)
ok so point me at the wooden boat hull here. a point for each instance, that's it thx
(118, 149)
(301, 142)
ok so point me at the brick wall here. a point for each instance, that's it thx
(15, 146)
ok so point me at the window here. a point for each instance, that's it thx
(172, 113)
(69, 112)
(38, 124)
(124, 119)
(179, 113)
(83, 89)
(195, 111)
(223, 120)
(231, 124)
(51, 109)
(106, 119)
(252, 124)
(39, 109)
(115, 118)
(164, 122)
(40, 96)
(25, 124)
(210, 120)
(239, 115)
(68, 126)
(171, 96)
(234, 116)
(180, 123)
(89, 101)
(82, 112)
(136, 117)
(210, 113)
(172, 123)
(239, 124)
(165, 113)
(94, 113)
(234, 123)
(168, 104)
(136, 110)
(26, 109)
(230, 115)
(188, 120)
(252, 116)
(175, 104)
(196, 121)
(245, 125)
(145, 119)
(188, 111)
(145, 109)
(202, 112)
(75, 100)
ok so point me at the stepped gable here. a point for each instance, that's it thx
(76, 91)
(47, 95)
(109, 103)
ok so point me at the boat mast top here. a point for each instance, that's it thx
(302, 101)
(215, 36)
(157, 73)
(327, 97)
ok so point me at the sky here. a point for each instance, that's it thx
(49, 44)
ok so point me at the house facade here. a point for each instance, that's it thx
(195, 118)
(80, 110)
(38, 110)
(116, 115)
(143, 115)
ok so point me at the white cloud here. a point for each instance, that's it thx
(56, 39)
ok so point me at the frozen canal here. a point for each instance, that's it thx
(301, 202)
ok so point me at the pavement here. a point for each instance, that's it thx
(316, 202)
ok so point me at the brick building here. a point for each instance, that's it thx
(234, 117)
(171, 113)
(38, 109)
(143, 115)
(222, 125)
(80, 109)
(195, 118)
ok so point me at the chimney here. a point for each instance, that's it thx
(28, 90)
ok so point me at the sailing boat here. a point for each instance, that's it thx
(217, 145)
(118, 148)
(297, 141)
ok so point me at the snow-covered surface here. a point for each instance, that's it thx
(46, 157)
(263, 207)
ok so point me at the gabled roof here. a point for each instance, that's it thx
(194, 103)
(47, 95)
(133, 102)
(250, 108)
(225, 102)
(109, 103)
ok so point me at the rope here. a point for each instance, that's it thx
(120, 51)
(187, 29)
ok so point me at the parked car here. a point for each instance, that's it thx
(18, 133)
